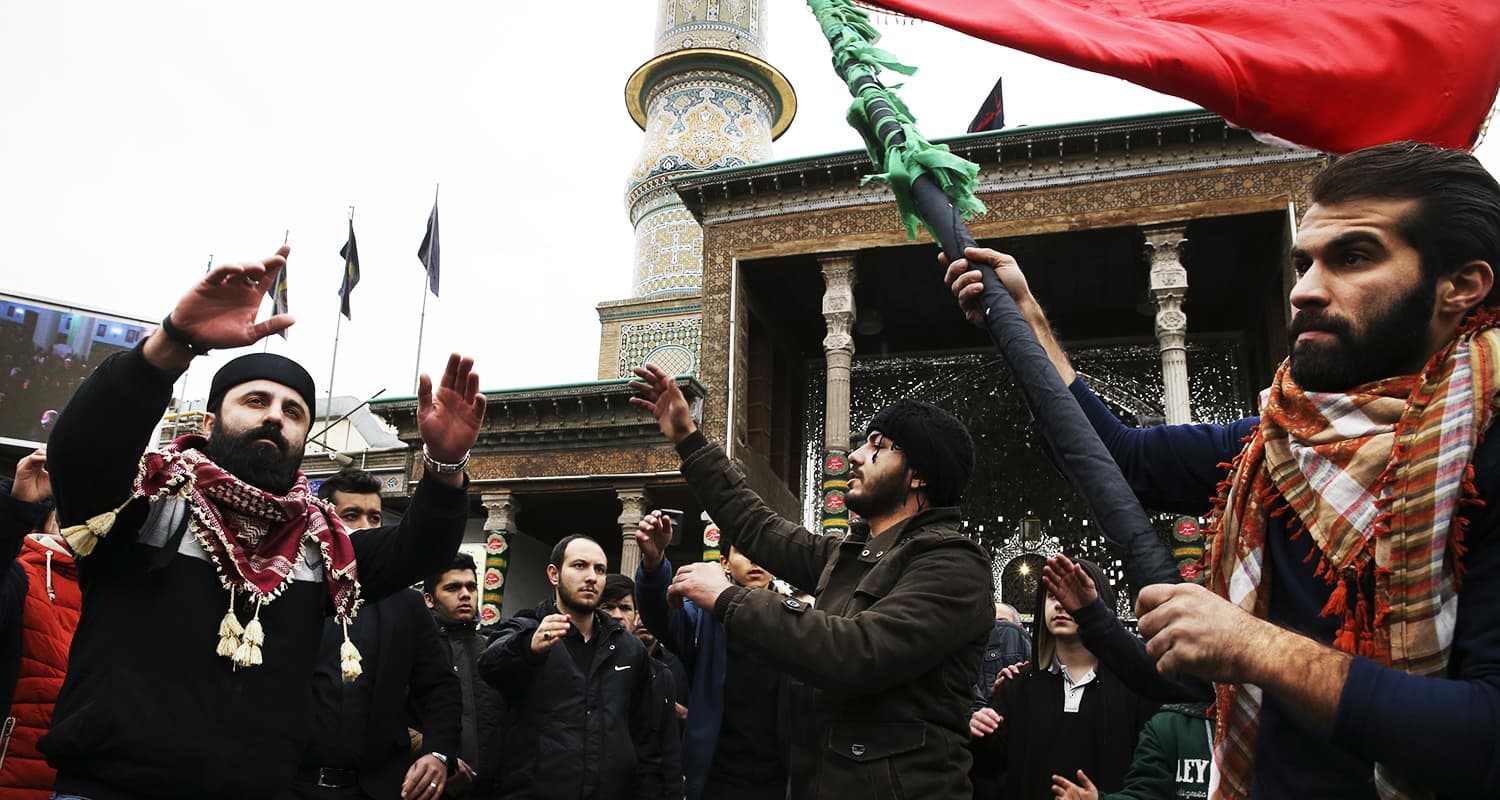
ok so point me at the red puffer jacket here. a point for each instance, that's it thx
(50, 617)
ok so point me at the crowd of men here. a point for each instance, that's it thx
(195, 622)
(35, 382)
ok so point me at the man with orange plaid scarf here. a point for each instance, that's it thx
(208, 566)
(1352, 617)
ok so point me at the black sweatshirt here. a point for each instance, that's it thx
(148, 708)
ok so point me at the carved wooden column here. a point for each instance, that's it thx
(632, 510)
(499, 525)
(1169, 283)
(838, 351)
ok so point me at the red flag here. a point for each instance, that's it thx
(1334, 75)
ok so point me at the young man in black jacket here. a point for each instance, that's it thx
(191, 670)
(453, 598)
(360, 746)
(585, 711)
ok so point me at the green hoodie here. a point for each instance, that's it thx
(1173, 757)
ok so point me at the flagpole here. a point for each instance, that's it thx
(416, 370)
(182, 397)
(338, 320)
(266, 341)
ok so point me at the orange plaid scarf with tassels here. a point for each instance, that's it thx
(1379, 477)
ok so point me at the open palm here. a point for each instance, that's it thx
(220, 311)
(448, 418)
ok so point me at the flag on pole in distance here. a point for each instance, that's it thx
(350, 254)
(991, 115)
(1335, 75)
(429, 251)
(279, 302)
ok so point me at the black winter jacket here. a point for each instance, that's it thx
(575, 735)
(148, 708)
(489, 706)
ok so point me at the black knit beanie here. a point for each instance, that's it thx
(263, 366)
(936, 445)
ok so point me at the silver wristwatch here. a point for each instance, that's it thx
(440, 467)
(449, 766)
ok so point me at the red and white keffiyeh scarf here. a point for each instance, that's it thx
(1379, 478)
(253, 538)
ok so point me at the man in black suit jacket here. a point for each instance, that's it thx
(360, 745)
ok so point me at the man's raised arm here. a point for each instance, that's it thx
(101, 434)
(780, 545)
(964, 279)
(448, 419)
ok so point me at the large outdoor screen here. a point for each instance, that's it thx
(47, 348)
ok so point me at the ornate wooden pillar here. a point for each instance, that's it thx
(499, 524)
(632, 510)
(1169, 283)
(838, 351)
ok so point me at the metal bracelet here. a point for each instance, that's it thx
(440, 467)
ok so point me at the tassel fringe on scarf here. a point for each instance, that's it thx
(252, 537)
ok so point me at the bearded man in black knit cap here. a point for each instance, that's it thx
(207, 567)
(903, 602)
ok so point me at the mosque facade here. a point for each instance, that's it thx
(788, 300)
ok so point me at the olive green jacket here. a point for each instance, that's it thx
(887, 656)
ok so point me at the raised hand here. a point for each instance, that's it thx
(658, 393)
(1069, 583)
(220, 310)
(448, 419)
(965, 280)
(652, 536)
(32, 484)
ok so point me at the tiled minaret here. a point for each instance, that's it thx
(707, 100)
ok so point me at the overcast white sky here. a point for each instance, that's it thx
(138, 138)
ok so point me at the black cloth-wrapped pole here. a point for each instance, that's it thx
(1075, 447)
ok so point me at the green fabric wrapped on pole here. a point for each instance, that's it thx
(899, 159)
(935, 189)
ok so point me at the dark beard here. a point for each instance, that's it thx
(876, 499)
(270, 469)
(1394, 340)
(575, 601)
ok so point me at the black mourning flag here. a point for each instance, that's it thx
(429, 251)
(351, 271)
